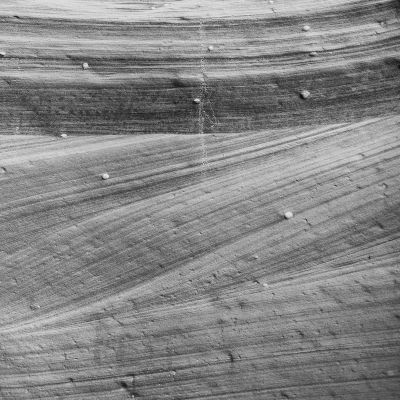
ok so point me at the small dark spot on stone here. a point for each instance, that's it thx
(285, 394)
(179, 83)
(129, 389)
(301, 333)
(392, 62)
(242, 304)
(380, 225)
(366, 289)
(231, 357)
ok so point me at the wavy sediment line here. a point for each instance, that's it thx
(246, 247)
(169, 284)
(145, 73)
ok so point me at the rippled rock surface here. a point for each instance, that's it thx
(199, 200)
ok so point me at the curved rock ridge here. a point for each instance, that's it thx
(148, 61)
(179, 276)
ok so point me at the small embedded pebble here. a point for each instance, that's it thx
(288, 215)
(210, 48)
(35, 307)
(105, 176)
(265, 285)
(85, 65)
(254, 257)
(313, 54)
(2, 54)
(196, 101)
(390, 373)
(306, 28)
(64, 135)
(305, 94)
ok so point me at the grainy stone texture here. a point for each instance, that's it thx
(147, 65)
(180, 278)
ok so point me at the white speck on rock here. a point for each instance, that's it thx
(305, 94)
(2, 54)
(105, 176)
(265, 284)
(196, 101)
(306, 28)
(64, 135)
(210, 48)
(85, 65)
(313, 54)
(35, 307)
(288, 215)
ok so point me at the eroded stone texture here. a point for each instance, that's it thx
(180, 278)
